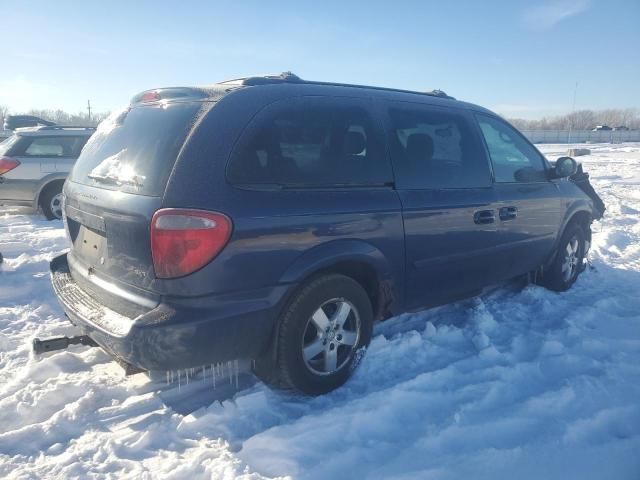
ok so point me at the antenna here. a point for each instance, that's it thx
(573, 110)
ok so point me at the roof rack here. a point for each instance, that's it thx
(289, 77)
(284, 77)
(64, 127)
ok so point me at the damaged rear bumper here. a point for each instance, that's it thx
(175, 334)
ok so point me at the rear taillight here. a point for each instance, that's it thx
(183, 241)
(151, 97)
(7, 164)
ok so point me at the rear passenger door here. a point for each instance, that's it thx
(312, 184)
(449, 208)
(529, 207)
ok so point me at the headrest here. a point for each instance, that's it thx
(267, 139)
(419, 147)
(354, 143)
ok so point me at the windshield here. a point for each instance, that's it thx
(134, 149)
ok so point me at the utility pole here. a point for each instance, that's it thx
(573, 110)
(89, 108)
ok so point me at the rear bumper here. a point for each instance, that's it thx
(17, 203)
(17, 192)
(175, 334)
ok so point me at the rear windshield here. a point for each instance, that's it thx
(7, 143)
(134, 149)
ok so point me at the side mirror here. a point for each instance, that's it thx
(565, 167)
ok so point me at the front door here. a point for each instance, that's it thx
(529, 208)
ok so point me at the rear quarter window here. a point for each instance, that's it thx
(61, 146)
(311, 142)
(134, 150)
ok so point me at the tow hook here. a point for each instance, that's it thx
(60, 343)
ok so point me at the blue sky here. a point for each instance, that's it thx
(520, 58)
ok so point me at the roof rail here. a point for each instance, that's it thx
(64, 127)
(289, 77)
(284, 77)
(439, 93)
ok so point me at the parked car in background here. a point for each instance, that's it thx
(275, 219)
(34, 163)
(11, 122)
(601, 128)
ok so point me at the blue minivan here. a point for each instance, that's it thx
(275, 220)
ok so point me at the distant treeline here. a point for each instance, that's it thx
(580, 120)
(58, 116)
(584, 120)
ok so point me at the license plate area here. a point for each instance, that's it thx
(91, 245)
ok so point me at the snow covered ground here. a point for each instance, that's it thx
(519, 383)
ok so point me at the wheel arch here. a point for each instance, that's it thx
(584, 219)
(45, 183)
(356, 259)
(581, 215)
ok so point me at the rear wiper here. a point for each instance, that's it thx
(103, 179)
(110, 180)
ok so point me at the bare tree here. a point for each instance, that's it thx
(64, 118)
(583, 120)
(59, 116)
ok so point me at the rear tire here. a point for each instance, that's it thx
(324, 331)
(51, 201)
(567, 264)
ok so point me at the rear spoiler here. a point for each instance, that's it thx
(581, 179)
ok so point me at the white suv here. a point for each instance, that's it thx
(34, 163)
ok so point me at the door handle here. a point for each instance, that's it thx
(508, 213)
(482, 217)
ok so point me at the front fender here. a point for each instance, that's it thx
(574, 207)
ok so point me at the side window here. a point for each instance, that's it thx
(513, 158)
(310, 144)
(432, 148)
(55, 147)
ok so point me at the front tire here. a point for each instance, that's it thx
(51, 201)
(324, 331)
(567, 264)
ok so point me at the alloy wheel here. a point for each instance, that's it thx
(331, 336)
(56, 205)
(570, 263)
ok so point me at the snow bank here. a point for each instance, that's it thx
(519, 383)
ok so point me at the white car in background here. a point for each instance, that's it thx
(34, 163)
